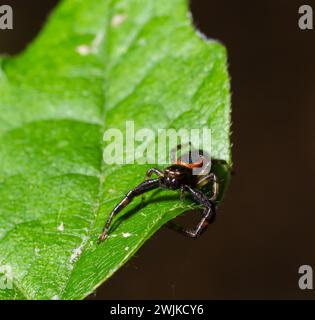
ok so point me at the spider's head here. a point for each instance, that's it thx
(175, 176)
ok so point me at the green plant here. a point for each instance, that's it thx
(95, 65)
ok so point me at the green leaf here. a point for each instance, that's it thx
(96, 65)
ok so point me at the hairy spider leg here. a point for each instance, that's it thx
(143, 187)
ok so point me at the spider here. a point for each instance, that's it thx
(178, 176)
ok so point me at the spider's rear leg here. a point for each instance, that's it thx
(208, 215)
(211, 177)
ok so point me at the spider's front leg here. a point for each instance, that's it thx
(143, 187)
(208, 214)
(148, 175)
(158, 172)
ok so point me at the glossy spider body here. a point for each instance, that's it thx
(178, 176)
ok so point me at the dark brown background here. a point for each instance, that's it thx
(265, 227)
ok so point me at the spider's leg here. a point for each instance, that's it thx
(208, 215)
(211, 177)
(148, 175)
(143, 187)
(182, 194)
(158, 172)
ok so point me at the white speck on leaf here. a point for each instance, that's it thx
(126, 248)
(118, 19)
(55, 297)
(83, 50)
(112, 235)
(61, 227)
(78, 251)
(126, 234)
(37, 251)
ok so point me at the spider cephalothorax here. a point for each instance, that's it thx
(175, 176)
(178, 176)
